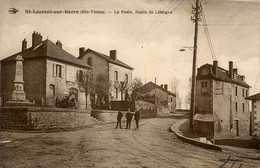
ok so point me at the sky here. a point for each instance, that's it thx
(144, 40)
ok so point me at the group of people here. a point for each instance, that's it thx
(129, 115)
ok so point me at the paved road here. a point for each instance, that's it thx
(103, 146)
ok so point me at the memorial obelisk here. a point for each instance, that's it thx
(18, 94)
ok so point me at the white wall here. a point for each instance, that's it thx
(225, 113)
(121, 77)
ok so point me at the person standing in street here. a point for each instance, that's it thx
(129, 117)
(119, 117)
(137, 117)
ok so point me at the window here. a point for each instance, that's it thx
(243, 107)
(246, 93)
(236, 106)
(90, 61)
(126, 78)
(116, 76)
(58, 71)
(243, 94)
(116, 93)
(204, 86)
(236, 90)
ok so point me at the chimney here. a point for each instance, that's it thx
(231, 72)
(113, 54)
(36, 39)
(235, 70)
(58, 43)
(24, 45)
(215, 68)
(243, 78)
(81, 50)
(165, 86)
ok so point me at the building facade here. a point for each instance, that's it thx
(49, 72)
(255, 113)
(164, 100)
(222, 110)
(112, 69)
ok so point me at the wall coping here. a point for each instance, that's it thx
(107, 111)
(47, 109)
(175, 129)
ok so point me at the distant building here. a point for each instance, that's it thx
(255, 113)
(221, 108)
(164, 100)
(109, 67)
(49, 72)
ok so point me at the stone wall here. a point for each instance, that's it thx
(203, 128)
(122, 105)
(106, 116)
(44, 118)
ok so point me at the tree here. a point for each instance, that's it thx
(85, 82)
(122, 87)
(102, 88)
(137, 83)
(175, 84)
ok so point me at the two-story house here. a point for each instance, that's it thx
(109, 67)
(164, 100)
(221, 108)
(255, 112)
(48, 71)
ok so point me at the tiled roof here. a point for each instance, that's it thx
(254, 97)
(106, 57)
(150, 86)
(223, 75)
(48, 49)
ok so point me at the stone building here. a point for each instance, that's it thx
(221, 108)
(111, 68)
(164, 100)
(255, 112)
(48, 70)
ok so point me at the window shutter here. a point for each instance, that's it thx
(62, 71)
(54, 70)
(77, 75)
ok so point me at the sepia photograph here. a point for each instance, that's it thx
(130, 83)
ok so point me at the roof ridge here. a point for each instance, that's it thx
(108, 58)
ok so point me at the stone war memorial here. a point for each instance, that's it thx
(18, 94)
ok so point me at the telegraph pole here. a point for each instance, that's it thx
(196, 12)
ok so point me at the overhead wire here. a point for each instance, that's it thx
(159, 23)
(208, 35)
(152, 24)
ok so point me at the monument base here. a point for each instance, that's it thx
(19, 103)
(18, 99)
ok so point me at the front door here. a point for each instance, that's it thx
(237, 127)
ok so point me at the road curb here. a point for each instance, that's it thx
(175, 129)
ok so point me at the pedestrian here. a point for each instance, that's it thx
(119, 117)
(129, 117)
(137, 117)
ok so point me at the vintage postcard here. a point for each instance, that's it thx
(130, 83)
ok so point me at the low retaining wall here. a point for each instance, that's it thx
(175, 129)
(242, 143)
(106, 115)
(43, 118)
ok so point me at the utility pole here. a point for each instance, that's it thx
(155, 91)
(196, 11)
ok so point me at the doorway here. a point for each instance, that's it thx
(237, 127)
